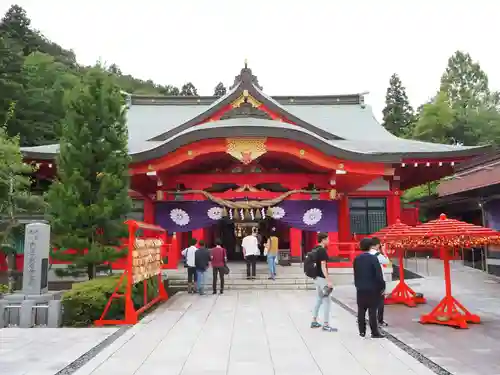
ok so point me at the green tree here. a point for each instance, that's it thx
(220, 90)
(15, 197)
(188, 89)
(435, 123)
(11, 63)
(398, 113)
(89, 201)
(40, 109)
(15, 25)
(468, 93)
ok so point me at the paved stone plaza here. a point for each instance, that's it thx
(247, 332)
(461, 352)
(45, 351)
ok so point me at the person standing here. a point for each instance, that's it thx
(189, 263)
(370, 284)
(376, 249)
(251, 251)
(271, 250)
(219, 260)
(323, 283)
(202, 261)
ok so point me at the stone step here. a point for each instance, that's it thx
(252, 282)
(253, 287)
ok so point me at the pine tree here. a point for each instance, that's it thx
(89, 201)
(220, 90)
(398, 113)
(15, 196)
(189, 90)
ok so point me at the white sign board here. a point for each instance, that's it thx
(36, 258)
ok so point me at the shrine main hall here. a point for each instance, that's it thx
(208, 167)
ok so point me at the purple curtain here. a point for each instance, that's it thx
(185, 216)
(317, 216)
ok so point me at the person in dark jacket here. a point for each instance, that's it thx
(370, 284)
(219, 260)
(201, 261)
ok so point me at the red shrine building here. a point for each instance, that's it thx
(208, 167)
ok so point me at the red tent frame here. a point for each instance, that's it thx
(402, 293)
(448, 234)
(131, 314)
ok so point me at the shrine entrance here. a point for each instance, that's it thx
(232, 233)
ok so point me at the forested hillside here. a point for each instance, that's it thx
(36, 72)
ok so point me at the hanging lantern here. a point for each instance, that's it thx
(252, 216)
(263, 212)
(230, 214)
(159, 195)
(242, 214)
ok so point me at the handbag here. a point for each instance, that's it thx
(225, 270)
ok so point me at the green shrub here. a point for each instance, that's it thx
(4, 289)
(85, 302)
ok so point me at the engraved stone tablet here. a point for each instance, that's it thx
(36, 255)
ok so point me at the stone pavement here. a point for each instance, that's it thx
(247, 332)
(461, 352)
(45, 351)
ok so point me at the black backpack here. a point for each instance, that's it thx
(310, 264)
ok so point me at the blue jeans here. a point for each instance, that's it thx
(271, 263)
(200, 280)
(320, 283)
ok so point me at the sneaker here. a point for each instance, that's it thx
(327, 328)
(221, 292)
(362, 334)
(315, 325)
(383, 324)
(214, 292)
(377, 336)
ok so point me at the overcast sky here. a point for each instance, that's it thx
(294, 47)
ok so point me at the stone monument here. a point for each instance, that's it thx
(36, 259)
(34, 305)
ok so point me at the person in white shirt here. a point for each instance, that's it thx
(251, 251)
(376, 249)
(189, 262)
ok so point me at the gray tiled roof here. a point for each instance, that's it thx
(352, 121)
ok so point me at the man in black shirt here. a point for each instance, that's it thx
(323, 284)
(370, 284)
(201, 261)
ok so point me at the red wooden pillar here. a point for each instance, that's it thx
(344, 221)
(148, 213)
(199, 234)
(333, 247)
(175, 250)
(394, 203)
(295, 242)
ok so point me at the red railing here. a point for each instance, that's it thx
(348, 250)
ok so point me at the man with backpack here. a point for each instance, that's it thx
(315, 267)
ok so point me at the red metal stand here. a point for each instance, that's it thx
(449, 311)
(402, 293)
(126, 279)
